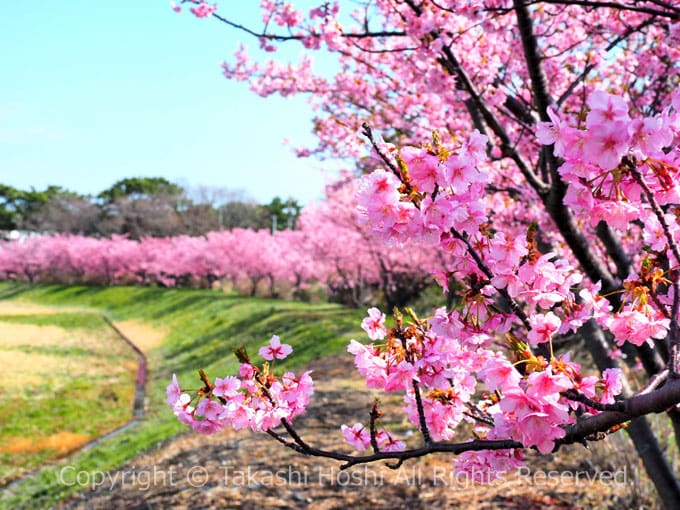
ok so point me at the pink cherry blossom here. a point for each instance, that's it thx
(606, 144)
(374, 324)
(369, 363)
(246, 371)
(173, 391)
(611, 384)
(571, 225)
(543, 328)
(357, 435)
(548, 133)
(275, 349)
(487, 465)
(388, 443)
(423, 167)
(203, 10)
(605, 109)
(499, 374)
(227, 387)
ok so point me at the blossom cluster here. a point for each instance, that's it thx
(256, 398)
(439, 196)
(538, 235)
(530, 400)
(526, 405)
(600, 183)
(327, 251)
(446, 357)
(200, 9)
(600, 161)
(426, 215)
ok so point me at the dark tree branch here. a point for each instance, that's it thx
(614, 250)
(421, 413)
(641, 404)
(532, 57)
(672, 13)
(648, 401)
(290, 37)
(453, 67)
(581, 398)
(368, 133)
(673, 337)
(373, 418)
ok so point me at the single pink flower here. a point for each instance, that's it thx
(275, 349)
(374, 324)
(549, 132)
(173, 391)
(499, 373)
(210, 409)
(227, 387)
(387, 443)
(543, 327)
(611, 384)
(246, 371)
(357, 436)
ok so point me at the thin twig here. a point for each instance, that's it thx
(373, 418)
(421, 413)
(673, 336)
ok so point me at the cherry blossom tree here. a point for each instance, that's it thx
(329, 251)
(534, 142)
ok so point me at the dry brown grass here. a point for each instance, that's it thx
(14, 334)
(23, 367)
(20, 308)
(142, 335)
(61, 442)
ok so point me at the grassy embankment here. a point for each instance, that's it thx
(66, 379)
(203, 328)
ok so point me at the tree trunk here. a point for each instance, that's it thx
(639, 430)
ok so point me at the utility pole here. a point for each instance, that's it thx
(289, 210)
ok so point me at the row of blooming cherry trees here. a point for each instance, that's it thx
(551, 184)
(329, 250)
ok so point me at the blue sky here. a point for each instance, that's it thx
(95, 91)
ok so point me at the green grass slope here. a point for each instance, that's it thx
(48, 386)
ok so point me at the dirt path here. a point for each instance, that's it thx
(244, 470)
